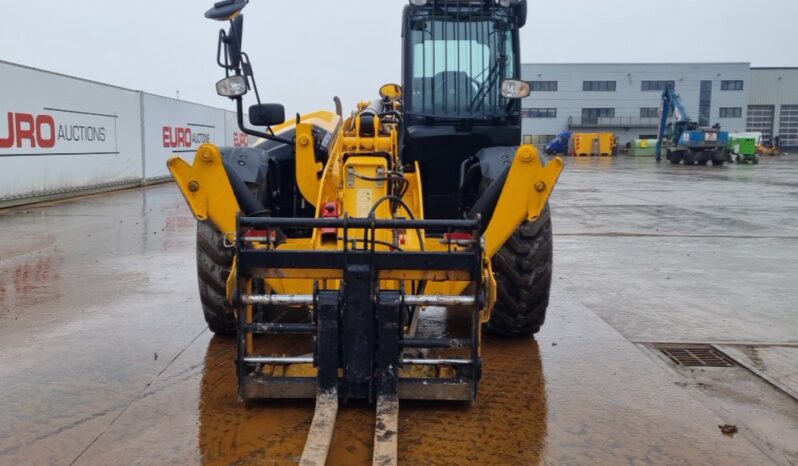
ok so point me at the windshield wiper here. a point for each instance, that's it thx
(489, 82)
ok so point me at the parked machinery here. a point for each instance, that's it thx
(357, 225)
(582, 144)
(772, 148)
(560, 145)
(743, 149)
(682, 138)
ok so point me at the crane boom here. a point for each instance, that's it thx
(682, 137)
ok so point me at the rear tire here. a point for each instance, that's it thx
(523, 269)
(214, 262)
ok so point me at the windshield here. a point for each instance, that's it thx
(458, 64)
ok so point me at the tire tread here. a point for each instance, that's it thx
(523, 271)
(214, 262)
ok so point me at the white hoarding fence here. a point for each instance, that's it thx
(234, 137)
(61, 134)
(173, 127)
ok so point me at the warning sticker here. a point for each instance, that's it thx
(365, 200)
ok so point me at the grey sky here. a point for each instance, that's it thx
(306, 51)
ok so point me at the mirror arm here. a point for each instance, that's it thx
(220, 51)
(246, 66)
(258, 134)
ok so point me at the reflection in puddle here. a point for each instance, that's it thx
(31, 282)
(506, 425)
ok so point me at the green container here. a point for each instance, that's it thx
(643, 148)
(743, 146)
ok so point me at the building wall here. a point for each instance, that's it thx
(775, 92)
(628, 98)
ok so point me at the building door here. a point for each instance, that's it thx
(788, 129)
(705, 103)
(760, 119)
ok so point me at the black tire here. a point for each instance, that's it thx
(717, 163)
(523, 269)
(214, 261)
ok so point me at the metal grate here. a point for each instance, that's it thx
(696, 355)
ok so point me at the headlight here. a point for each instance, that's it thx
(506, 3)
(233, 86)
(515, 89)
(418, 2)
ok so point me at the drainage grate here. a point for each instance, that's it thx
(696, 355)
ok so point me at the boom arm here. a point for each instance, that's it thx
(671, 102)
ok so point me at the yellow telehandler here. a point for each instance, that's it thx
(358, 226)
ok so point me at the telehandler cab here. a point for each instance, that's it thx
(360, 225)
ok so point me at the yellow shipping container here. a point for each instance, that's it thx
(608, 143)
(587, 144)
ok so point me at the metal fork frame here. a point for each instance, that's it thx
(357, 328)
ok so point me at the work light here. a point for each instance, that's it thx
(233, 86)
(515, 89)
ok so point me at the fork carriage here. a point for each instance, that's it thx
(364, 309)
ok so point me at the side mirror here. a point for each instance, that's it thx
(266, 114)
(391, 92)
(521, 13)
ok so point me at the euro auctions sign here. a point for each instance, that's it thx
(177, 128)
(56, 131)
(190, 136)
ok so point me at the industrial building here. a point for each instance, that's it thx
(773, 104)
(624, 98)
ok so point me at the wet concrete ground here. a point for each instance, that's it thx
(105, 358)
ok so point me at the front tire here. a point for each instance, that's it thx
(523, 270)
(214, 262)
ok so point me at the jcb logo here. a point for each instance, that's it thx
(34, 130)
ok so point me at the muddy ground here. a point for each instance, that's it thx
(105, 358)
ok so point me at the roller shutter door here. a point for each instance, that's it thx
(788, 129)
(760, 119)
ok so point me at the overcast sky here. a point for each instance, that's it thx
(306, 51)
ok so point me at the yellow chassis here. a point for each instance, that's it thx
(345, 180)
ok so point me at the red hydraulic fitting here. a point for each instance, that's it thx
(329, 210)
